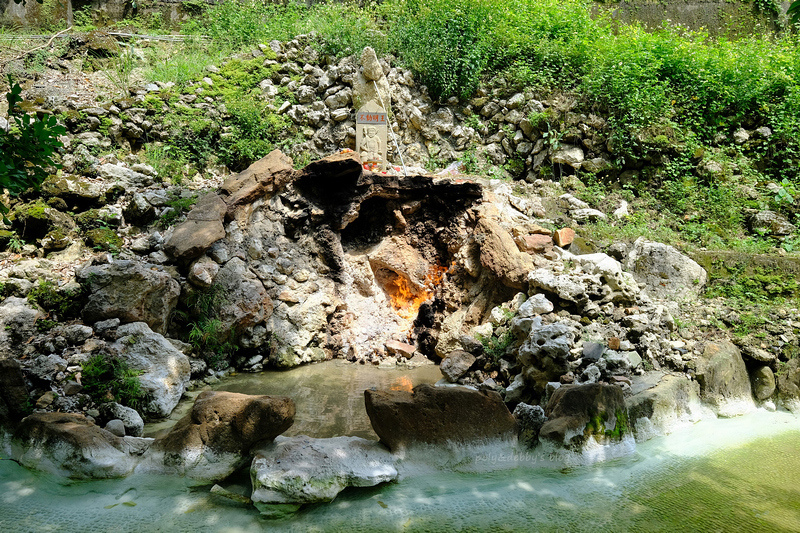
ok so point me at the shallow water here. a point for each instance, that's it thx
(717, 475)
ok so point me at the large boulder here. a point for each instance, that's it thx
(69, 445)
(666, 272)
(456, 364)
(131, 291)
(577, 413)
(165, 370)
(259, 180)
(664, 405)
(17, 324)
(723, 378)
(439, 416)
(763, 382)
(204, 225)
(500, 255)
(300, 470)
(216, 437)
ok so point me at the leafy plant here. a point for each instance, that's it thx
(63, 303)
(105, 377)
(207, 333)
(495, 346)
(28, 148)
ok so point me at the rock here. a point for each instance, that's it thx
(68, 445)
(76, 334)
(576, 413)
(400, 349)
(741, 136)
(203, 272)
(131, 420)
(500, 255)
(564, 237)
(587, 215)
(569, 155)
(303, 470)
(124, 177)
(530, 419)
(789, 385)
(456, 364)
(623, 284)
(666, 272)
(658, 410)
(216, 437)
(592, 351)
(724, 383)
(538, 304)
(772, 223)
(535, 244)
(438, 416)
(115, 427)
(165, 370)
(247, 302)
(13, 393)
(370, 65)
(543, 354)
(202, 228)
(622, 211)
(17, 324)
(130, 291)
(763, 382)
(260, 180)
(139, 211)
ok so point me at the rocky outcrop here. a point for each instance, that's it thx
(69, 445)
(723, 378)
(576, 413)
(500, 255)
(299, 470)
(165, 370)
(247, 302)
(666, 272)
(439, 416)
(544, 352)
(216, 437)
(131, 291)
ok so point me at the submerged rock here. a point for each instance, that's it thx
(216, 437)
(438, 415)
(298, 470)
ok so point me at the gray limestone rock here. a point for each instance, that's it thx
(665, 271)
(165, 370)
(302, 470)
(131, 291)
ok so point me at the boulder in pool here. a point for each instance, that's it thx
(293, 471)
(577, 413)
(438, 416)
(70, 445)
(216, 437)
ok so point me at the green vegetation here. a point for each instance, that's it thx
(106, 378)
(28, 149)
(178, 207)
(496, 345)
(597, 425)
(61, 304)
(206, 332)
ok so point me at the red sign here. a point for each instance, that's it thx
(371, 118)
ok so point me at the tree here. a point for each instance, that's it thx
(27, 147)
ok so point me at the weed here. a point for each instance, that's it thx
(64, 304)
(106, 378)
(495, 347)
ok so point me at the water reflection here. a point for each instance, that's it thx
(330, 396)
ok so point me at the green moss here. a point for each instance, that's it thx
(103, 239)
(597, 425)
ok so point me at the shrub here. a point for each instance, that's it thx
(106, 378)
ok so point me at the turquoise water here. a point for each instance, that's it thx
(718, 475)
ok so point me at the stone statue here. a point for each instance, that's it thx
(370, 149)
